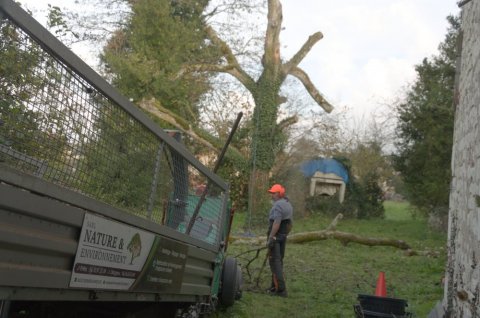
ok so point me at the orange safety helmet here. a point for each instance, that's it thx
(277, 188)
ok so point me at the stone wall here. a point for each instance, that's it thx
(462, 287)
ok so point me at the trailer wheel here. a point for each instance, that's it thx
(239, 287)
(229, 281)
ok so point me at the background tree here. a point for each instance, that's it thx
(159, 37)
(425, 128)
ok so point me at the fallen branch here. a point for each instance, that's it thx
(155, 108)
(259, 276)
(346, 238)
(330, 233)
(250, 261)
(428, 253)
(343, 237)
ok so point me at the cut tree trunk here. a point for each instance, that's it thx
(330, 233)
(343, 237)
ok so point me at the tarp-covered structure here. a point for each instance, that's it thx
(327, 177)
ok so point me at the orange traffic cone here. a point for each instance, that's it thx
(381, 289)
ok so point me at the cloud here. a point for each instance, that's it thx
(380, 81)
(369, 48)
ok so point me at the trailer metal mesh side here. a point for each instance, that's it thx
(62, 126)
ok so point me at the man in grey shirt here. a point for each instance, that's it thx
(280, 220)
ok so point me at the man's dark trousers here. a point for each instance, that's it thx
(275, 260)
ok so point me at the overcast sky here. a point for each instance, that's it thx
(369, 49)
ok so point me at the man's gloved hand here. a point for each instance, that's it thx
(271, 242)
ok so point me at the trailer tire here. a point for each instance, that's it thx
(229, 282)
(239, 287)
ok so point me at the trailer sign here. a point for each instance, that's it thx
(164, 269)
(110, 254)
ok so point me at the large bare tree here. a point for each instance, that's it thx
(265, 91)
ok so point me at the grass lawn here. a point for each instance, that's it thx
(325, 277)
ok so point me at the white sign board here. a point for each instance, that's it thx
(110, 254)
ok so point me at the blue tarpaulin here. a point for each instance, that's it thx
(326, 166)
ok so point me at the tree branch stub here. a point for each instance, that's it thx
(311, 89)
(304, 50)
